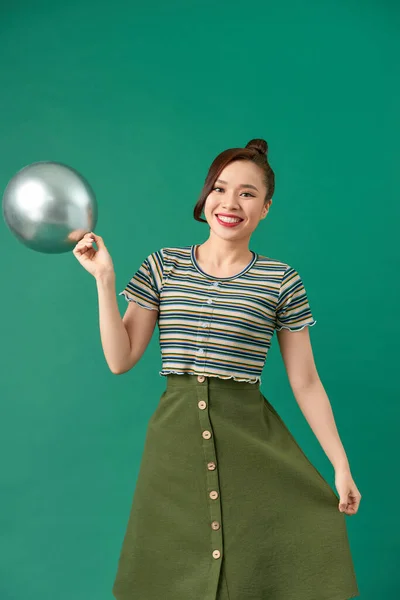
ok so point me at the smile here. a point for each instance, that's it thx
(228, 221)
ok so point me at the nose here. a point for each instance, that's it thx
(229, 202)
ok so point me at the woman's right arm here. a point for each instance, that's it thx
(124, 340)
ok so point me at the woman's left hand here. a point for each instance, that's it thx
(348, 492)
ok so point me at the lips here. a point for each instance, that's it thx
(228, 216)
(227, 223)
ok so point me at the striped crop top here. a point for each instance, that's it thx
(218, 326)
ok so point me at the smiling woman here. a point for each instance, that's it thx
(227, 506)
(255, 152)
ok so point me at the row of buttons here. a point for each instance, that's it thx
(211, 466)
(209, 301)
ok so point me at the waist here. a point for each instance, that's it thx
(175, 380)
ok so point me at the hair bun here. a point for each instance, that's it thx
(258, 144)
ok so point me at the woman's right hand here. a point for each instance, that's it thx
(96, 262)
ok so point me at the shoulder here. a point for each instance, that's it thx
(268, 261)
(284, 276)
(168, 254)
(169, 257)
(272, 266)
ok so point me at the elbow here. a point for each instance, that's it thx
(121, 369)
(117, 370)
(124, 366)
(303, 384)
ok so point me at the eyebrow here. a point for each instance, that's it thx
(243, 185)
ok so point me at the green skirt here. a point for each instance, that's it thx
(228, 507)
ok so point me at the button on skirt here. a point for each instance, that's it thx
(228, 507)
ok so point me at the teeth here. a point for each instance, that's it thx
(228, 219)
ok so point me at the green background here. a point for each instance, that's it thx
(140, 100)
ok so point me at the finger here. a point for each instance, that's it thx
(86, 238)
(80, 251)
(84, 243)
(99, 240)
(82, 248)
(351, 508)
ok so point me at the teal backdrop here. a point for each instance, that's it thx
(140, 99)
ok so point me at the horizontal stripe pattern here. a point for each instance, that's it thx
(145, 286)
(219, 327)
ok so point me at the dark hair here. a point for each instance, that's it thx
(256, 151)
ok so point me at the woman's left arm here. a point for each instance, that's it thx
(297, 355)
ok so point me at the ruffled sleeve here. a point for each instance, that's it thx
(293, 310)
(145, 285)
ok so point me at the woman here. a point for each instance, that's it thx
(226, 506)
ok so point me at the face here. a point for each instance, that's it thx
(238, 193)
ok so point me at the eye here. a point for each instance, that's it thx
(248, 193)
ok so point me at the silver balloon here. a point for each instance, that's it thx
(49, 207)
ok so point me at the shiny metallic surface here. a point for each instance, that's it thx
(49, 207)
